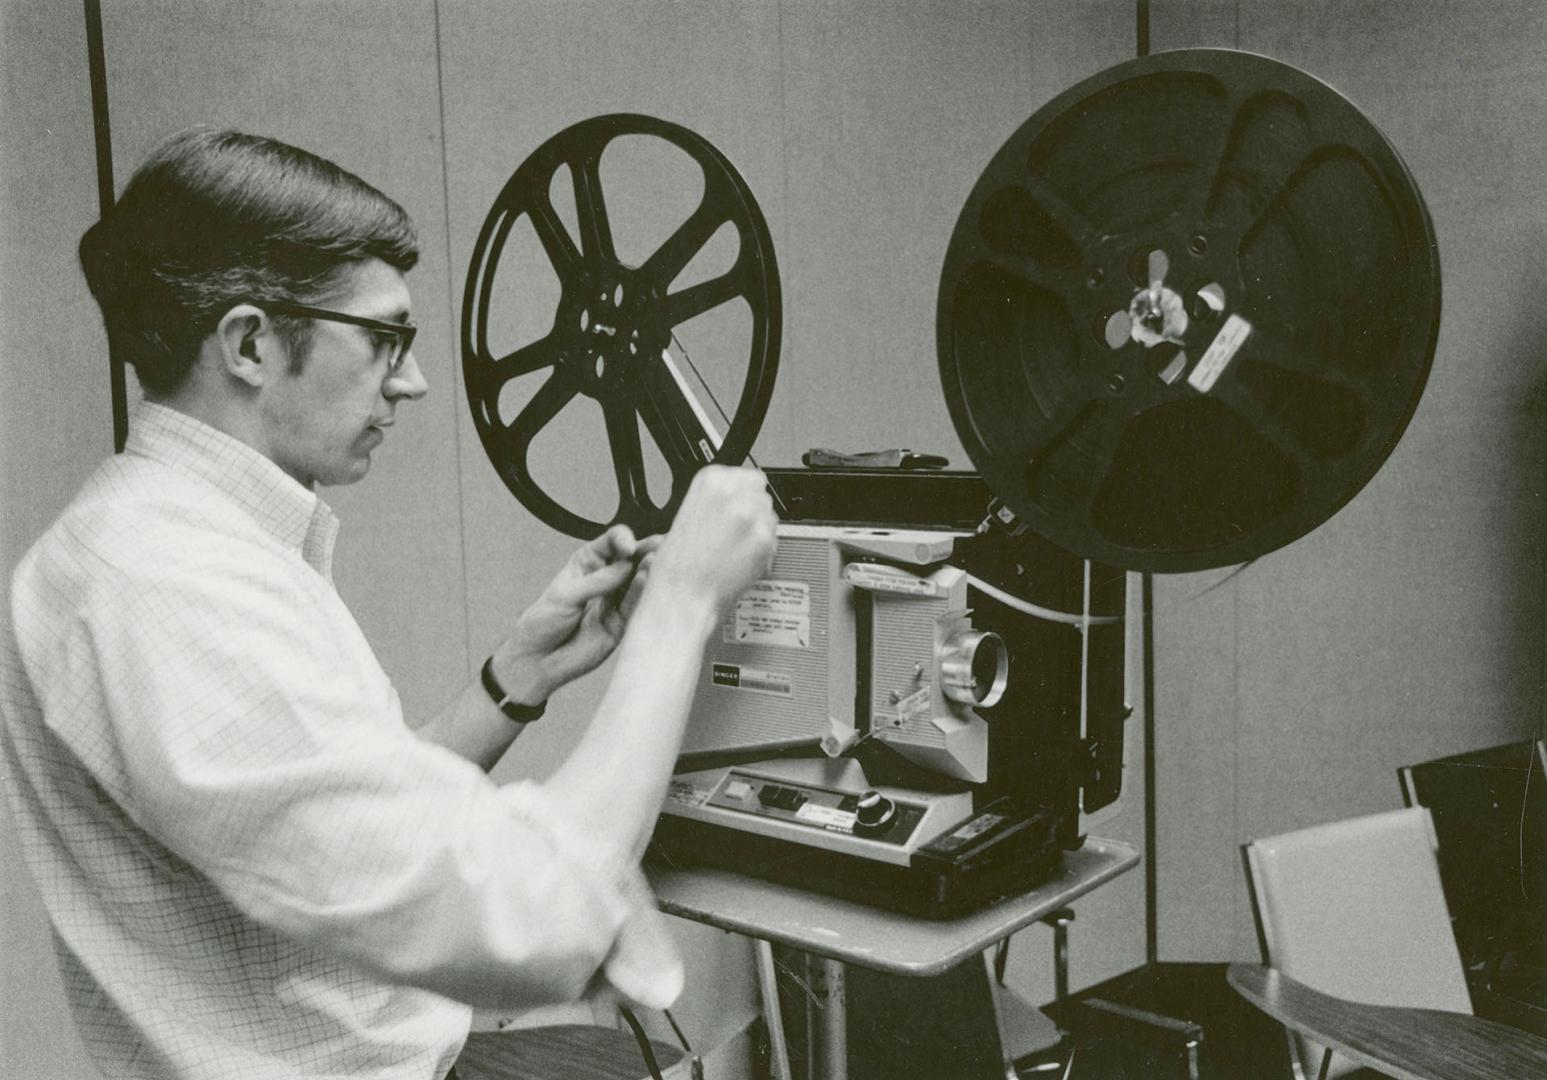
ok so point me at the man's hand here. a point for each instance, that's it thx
(720, 543)
(722, 539)
(579, 618)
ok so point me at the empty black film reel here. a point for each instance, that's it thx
(614, 323)
(1187, 311)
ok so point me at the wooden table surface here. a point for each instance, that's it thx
(1410, 1044)
(564, 1052)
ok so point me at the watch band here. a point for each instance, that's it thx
(514, 710)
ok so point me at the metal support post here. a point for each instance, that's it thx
(1059, 920)
(827, 1029)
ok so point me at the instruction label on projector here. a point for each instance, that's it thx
(888, 579)
(771, 613)
(1220, 352)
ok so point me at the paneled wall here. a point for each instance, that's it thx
(55, 424)
(341, 79)
(1410, 625)
(859, 128)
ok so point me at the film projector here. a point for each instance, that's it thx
(1185, 314)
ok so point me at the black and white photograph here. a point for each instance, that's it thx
(773, 539)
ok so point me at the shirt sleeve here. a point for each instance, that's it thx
(261, 743)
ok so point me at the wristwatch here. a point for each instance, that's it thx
(514, 710)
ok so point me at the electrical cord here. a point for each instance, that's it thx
(1068, 618)
(645, 1049)
(681, 1038)
(643, 1040)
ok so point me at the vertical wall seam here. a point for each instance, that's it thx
(454, 323)
(102, 132)
(1141, 37)
(1151, 799)
(1237, 864)
(786, 290)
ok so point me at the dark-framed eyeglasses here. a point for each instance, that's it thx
(393, 338)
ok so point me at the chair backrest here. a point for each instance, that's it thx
(1355, 909)
(1490, 814)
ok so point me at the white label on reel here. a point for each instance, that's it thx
(1220, 352)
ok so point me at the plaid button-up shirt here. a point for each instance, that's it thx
(252, 867)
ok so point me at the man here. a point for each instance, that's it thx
(252, 866)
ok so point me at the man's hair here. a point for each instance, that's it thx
(214, 218)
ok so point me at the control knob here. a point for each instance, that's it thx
(874, 813)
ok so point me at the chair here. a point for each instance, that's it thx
(1354, 909)
(1093, 1037)
(1401, 1042)
(566, 1051)
(1490, 814)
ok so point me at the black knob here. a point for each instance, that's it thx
(874, 812)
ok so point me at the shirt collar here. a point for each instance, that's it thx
(281, 506)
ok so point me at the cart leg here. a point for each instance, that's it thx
(827, 1020)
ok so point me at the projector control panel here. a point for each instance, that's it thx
(868, 814)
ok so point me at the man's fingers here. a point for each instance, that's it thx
(617, 544)
(636, 588)
(602, 566)
(598, 582)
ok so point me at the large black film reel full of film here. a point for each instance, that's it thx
(614, 325)
(1187, 311)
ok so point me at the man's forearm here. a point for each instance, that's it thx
(473, 727)
(611, 786)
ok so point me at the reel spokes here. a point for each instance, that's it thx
(1187, 311)
(613, 337)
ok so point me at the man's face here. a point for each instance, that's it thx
(323, 421)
